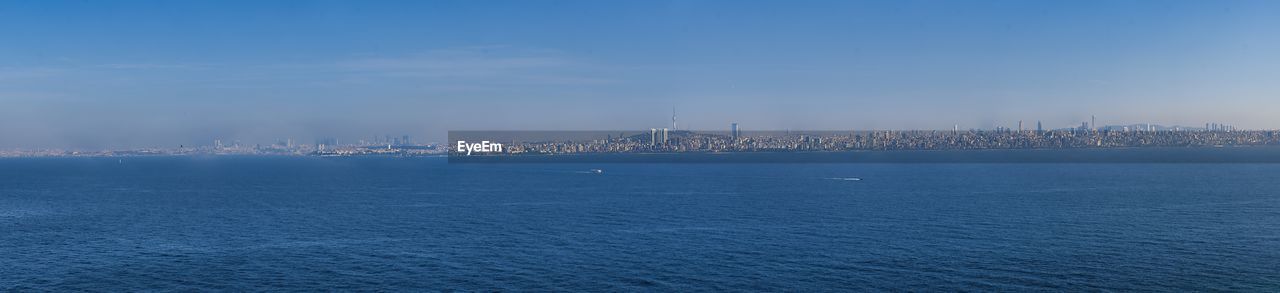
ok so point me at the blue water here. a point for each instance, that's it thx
(404, 224)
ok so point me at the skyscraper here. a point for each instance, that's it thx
(733, 130)
(673, 118)
(653, 137)
(1039, 128)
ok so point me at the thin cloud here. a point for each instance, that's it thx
(18, 73)
(152, 66)
(479, 64)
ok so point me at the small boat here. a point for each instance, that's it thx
(596, 171)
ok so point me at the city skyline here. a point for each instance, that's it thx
(377, 143)
(154, 73)
(399, 140)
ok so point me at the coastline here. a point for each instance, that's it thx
(1230, 154)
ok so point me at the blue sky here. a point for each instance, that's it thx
(159, 73)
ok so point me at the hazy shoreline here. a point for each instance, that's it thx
(1231, 154)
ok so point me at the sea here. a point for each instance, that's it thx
(227, 223)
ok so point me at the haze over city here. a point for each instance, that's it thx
(163, 73)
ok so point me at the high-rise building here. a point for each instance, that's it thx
(673, 118)
(733, 130)
(1039, 128)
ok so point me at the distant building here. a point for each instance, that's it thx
(323, 143)
(673, 118)
(733, 130)
(653, 137)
